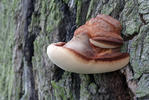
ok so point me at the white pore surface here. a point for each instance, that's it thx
(69, 61)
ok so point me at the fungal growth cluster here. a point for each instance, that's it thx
(94, 48)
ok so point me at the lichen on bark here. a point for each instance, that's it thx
(7, 29)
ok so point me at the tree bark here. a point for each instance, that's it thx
(41, 22)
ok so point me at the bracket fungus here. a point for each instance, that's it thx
(94, 48)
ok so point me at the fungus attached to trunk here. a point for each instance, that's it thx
(94, 48)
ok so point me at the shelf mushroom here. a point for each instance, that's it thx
(94, 48)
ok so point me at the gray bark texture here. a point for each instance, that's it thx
(27, 27)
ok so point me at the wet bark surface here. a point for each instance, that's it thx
(24, 50)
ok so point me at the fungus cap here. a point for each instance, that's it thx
(94, 48)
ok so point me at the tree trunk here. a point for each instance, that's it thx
(41, 22)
